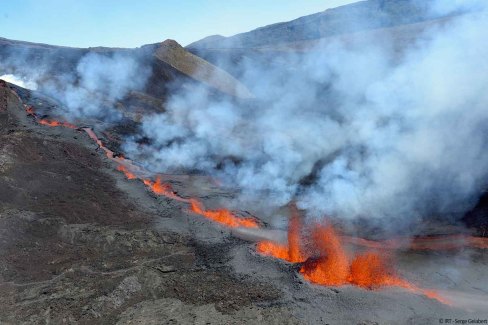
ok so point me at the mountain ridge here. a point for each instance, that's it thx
(334, 21)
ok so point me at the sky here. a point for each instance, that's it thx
(132, 23)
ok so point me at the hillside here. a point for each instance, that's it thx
(168, 61)
(360, 16)
(398, 23)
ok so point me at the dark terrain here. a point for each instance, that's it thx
(81, 244)
(76, 248)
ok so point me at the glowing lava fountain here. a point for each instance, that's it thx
(331, 265)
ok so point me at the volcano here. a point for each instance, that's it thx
(133, 189)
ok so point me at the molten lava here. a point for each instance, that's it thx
(370, 270)
(158, 187)
(57, 123)
(31, 112)
(164, 189)
(333, 266)
(222, 216)
(291, 252)
(126, 172)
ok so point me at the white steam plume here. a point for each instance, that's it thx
(21, 82)
(101, 80)
(87, 85)
(347, 132)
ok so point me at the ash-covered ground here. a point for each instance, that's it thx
(82, 244)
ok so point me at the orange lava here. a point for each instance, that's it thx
(29, 110)
(109, 153)
(164, 189)
(292, 252)
(222, 216)
(332, 267)
(277, 250)
(158, 187)
(370, 270)
(57, 123)
(126, 172)
(478, 242)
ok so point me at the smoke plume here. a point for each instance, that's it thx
(19, 81)
(348, 132)
(87, 86)
(347, 129)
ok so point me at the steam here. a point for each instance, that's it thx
(346, 132)
(19, 81)
(86, 87)
(102, 80)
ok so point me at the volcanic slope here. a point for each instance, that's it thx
(76, 248)
(82, 244)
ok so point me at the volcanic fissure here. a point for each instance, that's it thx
(325, 259)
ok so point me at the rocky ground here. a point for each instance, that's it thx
(81, 244)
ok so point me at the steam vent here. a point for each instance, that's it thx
(331, 169)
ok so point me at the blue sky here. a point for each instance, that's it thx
(131, 23)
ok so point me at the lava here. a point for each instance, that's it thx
(126, 172)
(164, 189)
(333, 266)
(57, 123)
(292, 252)
(29, 110)
(222, 216)
(109, 153)
(49, 122)
(371, 271)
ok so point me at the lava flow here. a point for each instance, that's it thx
(370, 270)
(57, 123)
(221, 216)
(30, 111)
(292, 252)
(128, 174)
(332, 266)
(160, 188)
